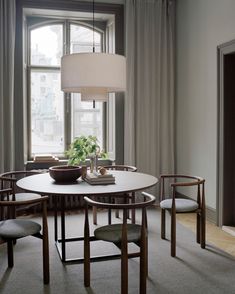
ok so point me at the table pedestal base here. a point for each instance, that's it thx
(80, 260)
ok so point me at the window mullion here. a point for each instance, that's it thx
(67, 96)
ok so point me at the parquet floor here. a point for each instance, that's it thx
(214, 235)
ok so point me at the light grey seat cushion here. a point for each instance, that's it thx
(18, 228)
(113, 233)
(181, 205)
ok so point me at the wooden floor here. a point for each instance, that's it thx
(214, 234)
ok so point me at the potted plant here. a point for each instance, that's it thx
(82, 148)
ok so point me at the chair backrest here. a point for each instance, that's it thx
(9, 204)
(121, 167)
(120, 235)
(148, 200)
(9, 179)
(24, 228)
(179, 181)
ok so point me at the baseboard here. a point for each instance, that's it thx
(211, 215)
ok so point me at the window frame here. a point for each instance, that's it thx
(26, 8)
(66, 23)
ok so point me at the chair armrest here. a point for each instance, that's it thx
(9, 190)
(145, 194)
(185, 184)
(24, 202)
(180, 176)
(9, 179)
(151, 200)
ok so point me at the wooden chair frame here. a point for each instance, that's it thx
(9, 179)
(43, 236)
(123, 245)
(200, 212)
(127, 197)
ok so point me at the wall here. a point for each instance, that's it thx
(202, 25)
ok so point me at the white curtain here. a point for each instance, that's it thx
(7, 51)
(149, 102)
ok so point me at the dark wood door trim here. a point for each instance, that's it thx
(222, 51)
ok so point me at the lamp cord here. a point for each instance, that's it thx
(93, 24)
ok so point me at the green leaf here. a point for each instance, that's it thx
(83, 147)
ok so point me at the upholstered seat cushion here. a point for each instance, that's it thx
(113, 233)
(18, 228)
(181, 205)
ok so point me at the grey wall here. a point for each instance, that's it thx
(202, 25)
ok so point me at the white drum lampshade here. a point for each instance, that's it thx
(94, 75)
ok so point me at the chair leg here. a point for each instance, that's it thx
(163, 224)
(117, 213)
(94, 210)
(124, 255)
(86, 263)
(173, 234)
(146, 258)
(127, 200)
(124, 269)
(203, 230)
(143, 266)
(10, 253)
(110, 199)
(87, 272)
(133, 210)
(109, 216)
(198, 237)
(46, 271)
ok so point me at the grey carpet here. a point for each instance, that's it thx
(194, 270)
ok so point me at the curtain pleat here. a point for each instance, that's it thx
(149, 103)
(7, 51)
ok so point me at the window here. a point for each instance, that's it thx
(55, 118)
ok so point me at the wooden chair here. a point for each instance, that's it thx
(13, 229)
(8, 181)
(131, 195)
(176, 205)
(120, 235)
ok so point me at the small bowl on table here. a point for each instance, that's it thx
(65, 173)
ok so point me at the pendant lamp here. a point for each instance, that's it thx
(94, 75)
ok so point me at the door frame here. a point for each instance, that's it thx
(222, 50)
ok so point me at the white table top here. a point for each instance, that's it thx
(125, 181)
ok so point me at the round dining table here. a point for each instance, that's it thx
(125, 182)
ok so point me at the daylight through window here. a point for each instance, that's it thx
(56, 118)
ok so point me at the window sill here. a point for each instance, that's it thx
(31, 165)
